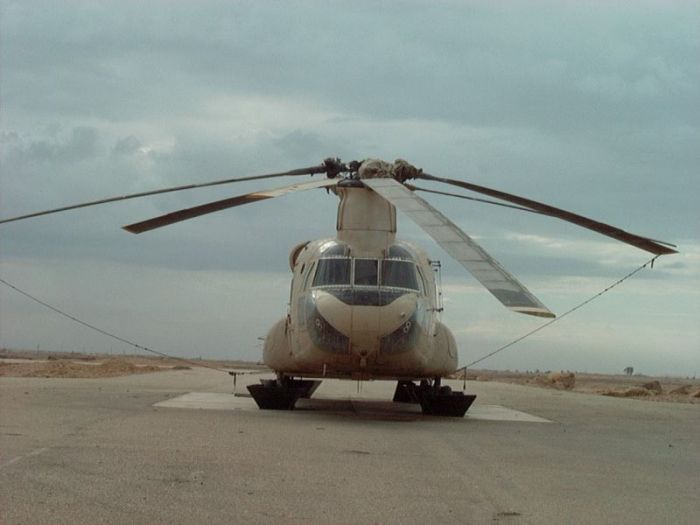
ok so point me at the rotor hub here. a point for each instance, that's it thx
(400, 170)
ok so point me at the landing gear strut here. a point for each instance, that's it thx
(433, 398)
(281, 393)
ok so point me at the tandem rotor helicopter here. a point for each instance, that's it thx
(364, 305)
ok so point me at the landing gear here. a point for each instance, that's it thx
(433, 398)
(281, 393)
(406, 392)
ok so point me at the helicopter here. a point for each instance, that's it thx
(365, 305)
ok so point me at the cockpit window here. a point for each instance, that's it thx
(399, 252)
(399, 274)
(307, 278)
(394, 273)
(366, 272)
(335, 248)
(332, 271)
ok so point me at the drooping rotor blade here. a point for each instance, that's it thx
(326, 167)
(644, 243)
(232, 202)
(475, 199)
(504, 287)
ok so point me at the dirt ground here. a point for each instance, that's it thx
(638, 386)
(81, 365)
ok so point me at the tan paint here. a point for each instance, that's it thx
(367, 223)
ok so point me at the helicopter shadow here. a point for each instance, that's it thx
(363, 409)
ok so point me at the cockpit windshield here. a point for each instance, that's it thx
(389, 273)
(366, 272)
(331, 272)
(399, 274)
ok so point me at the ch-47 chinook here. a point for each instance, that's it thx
(364, 304)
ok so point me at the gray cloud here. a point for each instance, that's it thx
(126, 146)
(592, 109)
(583, 63)
(81, 144)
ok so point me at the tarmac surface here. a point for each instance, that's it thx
(178, 447)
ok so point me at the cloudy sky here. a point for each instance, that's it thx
(593, 107)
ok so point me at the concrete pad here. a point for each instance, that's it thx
(219, 401)
(499, 413)
(208, 401)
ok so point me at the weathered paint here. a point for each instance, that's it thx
(366, 332)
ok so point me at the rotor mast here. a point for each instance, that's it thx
(366, 221)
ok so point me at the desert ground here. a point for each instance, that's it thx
(34, 363)
(31, 363)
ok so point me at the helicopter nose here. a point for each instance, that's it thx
(343, 323)
(327, 321)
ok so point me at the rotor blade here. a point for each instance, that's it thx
(302, 171)
(643, 243)
(203, 209)
(475, 199)
(504, 287)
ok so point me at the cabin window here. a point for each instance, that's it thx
(332, 272)
(366, 272)
(399, 274)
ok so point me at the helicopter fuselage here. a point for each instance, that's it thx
(362, 305)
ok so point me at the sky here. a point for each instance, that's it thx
(593, 107)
